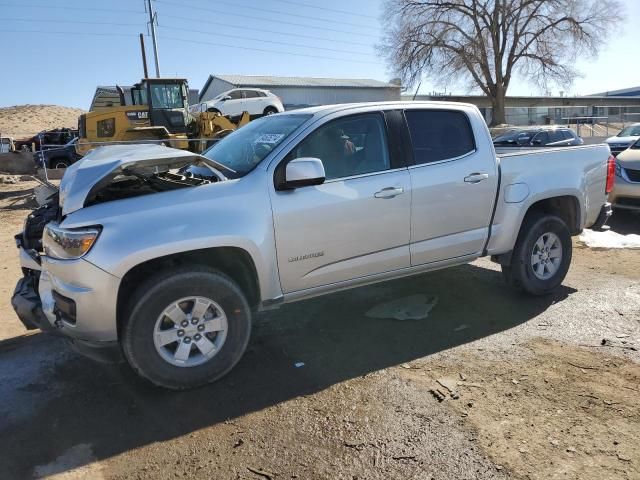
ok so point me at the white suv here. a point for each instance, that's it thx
(256, 101)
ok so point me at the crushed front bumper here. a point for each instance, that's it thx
(70, 298)
(27, 305)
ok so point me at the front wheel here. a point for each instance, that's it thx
(542, 255)
(186, 328)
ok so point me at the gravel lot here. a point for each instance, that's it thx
(538, 395)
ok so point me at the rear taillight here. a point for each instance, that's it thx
(611, 174)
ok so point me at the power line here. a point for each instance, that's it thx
(69, 7)
(71, 21)
(326, 9)
(254, 29)
(265, 50)
(283, 22)
(296, 15)
(82, 22)
(275, 42)
(279, 12)
(200, 42)
(71, 33)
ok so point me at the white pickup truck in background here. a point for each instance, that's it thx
(163, 254)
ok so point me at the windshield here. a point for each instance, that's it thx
(631, 131)
(245, 148)
(166, 96)
(515, 136)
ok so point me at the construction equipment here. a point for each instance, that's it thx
(156, 110)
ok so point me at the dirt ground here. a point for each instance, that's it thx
(492, 384)
(26, 120)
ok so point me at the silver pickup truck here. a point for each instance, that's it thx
(163, 255)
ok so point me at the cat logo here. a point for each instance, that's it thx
(137, 115)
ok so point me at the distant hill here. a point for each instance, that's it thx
(26, 120)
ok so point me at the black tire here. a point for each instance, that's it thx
(58, 163)
(150, 300)
(270, 111)
(520, 274)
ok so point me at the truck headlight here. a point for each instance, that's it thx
(68, 243)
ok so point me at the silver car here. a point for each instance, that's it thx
(164, 255)
(626, 189)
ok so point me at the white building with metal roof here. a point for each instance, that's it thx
(299, 92)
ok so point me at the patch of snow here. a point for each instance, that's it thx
(77, 463)
(608, 240)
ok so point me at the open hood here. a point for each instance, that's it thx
(100, 166)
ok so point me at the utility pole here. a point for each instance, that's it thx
(144, 57)
(152, 22)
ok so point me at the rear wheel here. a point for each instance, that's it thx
(186, 328)
(270, 110)
(542, 255)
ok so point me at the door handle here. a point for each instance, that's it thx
(389, 192)
(476, 177)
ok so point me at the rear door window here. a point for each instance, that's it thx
(556, 136)
(439, 135)
(541, 138)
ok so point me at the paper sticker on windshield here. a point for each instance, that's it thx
(270, 138)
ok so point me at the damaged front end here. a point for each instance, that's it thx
(26, 300)
(56, 285)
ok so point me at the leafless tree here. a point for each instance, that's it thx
(484, 42)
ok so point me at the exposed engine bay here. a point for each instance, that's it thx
(31, 236)
(125, 184)
(133, 183)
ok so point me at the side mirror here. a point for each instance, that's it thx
(302, 172)
(226, 97)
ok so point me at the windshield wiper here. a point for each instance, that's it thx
(220, 165)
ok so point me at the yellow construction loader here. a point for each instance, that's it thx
(157, 111)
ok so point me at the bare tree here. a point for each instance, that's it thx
(483, 42)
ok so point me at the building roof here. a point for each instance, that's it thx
(267, 81)
(614, 93)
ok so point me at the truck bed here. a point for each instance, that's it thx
(531, 174)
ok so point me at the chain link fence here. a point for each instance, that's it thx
(587, 121)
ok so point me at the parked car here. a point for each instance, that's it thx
(58, 136)
(256, 101)
(627, 136)
(626, 189)
(298, 204)
(58, 157)
(538, 137)
(6, 145)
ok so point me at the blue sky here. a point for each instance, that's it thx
(57, 51)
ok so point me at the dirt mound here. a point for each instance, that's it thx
(26, 120)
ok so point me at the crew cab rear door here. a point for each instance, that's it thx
(454, 182)
(356, 223)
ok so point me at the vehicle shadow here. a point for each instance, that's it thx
(625, 222)
(109, 408)
(17, 200)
